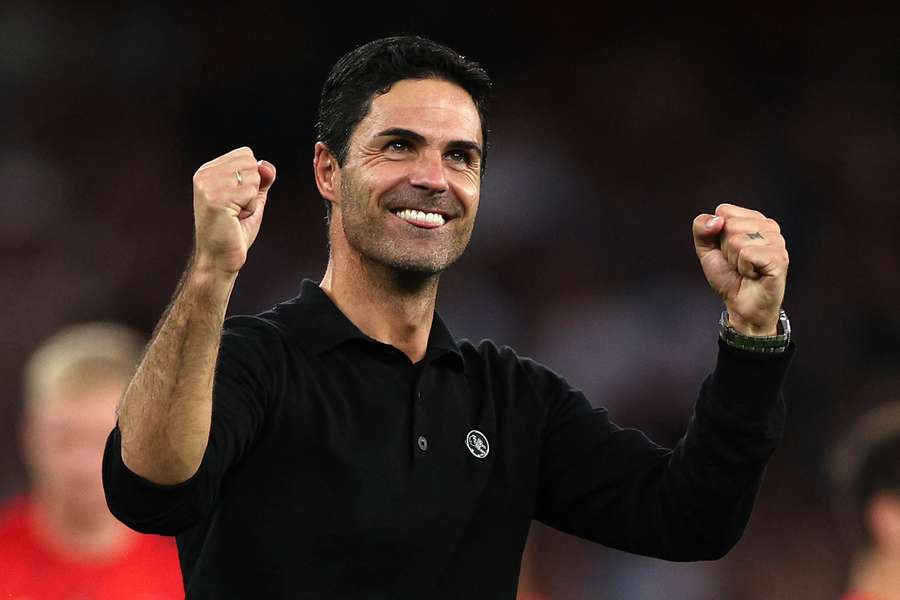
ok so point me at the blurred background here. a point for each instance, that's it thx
(610, 131)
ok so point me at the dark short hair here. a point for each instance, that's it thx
(864, 464)
(371, 69)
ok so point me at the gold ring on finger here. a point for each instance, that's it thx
(239, 177)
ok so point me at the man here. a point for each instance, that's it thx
(865, 473)
(344, 445)
(59, 541)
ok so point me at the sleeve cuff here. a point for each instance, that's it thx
(747, 385)
(141, 504)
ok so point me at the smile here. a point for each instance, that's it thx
(428, 220)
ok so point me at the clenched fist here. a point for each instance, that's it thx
(745, 261)
(229, 200)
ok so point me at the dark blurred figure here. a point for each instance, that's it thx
(59, 540)
(866, 472)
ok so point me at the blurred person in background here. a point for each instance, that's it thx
(59, 541)
(865, 472)
(344, 444)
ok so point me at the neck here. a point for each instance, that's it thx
(388, 305)
(876, 575)
(90, 536)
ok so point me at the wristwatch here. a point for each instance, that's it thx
(753, 343)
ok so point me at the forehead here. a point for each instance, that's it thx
(432, 107)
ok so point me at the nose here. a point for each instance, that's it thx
(428, 172)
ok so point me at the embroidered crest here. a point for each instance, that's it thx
(477, 444)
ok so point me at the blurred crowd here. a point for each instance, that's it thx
(609, 133)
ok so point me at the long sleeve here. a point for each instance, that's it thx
(616, 487)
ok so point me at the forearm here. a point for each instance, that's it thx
(715, 472)
(165, 415)
(616, 487)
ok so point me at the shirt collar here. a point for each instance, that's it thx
(323, 326)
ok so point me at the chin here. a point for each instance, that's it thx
(420, 266)
(415, 258)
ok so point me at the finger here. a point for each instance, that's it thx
(732, 241)
(745, 225)
(237, 171)
(757, 261)
(243, 151)
(247, 177)
(266, 172)
(264, 176)
(250, 208)
(732, 210)
(706, 229)
(735, 242)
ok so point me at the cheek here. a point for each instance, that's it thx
(369, 185)
(467, 189)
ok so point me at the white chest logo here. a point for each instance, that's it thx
(477, 444)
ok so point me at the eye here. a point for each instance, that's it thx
(397, 146)
(460, 156)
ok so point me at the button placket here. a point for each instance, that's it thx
(420, 425)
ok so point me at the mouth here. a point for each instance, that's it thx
(422, 219)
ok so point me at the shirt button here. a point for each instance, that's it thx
(423, 443)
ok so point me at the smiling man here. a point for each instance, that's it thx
(344, 445)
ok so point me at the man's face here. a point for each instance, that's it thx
(410, 183)
(64, 437)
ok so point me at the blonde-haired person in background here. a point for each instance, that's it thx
(865, 471)
(59, 540)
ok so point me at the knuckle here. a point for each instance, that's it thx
(773, 238)
(199, 179)
(733, 243)
(773, 224)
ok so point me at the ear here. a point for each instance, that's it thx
(327, 173)
(883, 519)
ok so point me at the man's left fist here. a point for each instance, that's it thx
(745, 261)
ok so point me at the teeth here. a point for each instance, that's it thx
(417, 216)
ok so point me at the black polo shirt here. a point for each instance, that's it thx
(337, 469)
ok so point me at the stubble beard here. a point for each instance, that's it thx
(405, 258)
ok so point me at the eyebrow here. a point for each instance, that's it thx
(419, 138)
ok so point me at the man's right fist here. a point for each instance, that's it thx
(229, 200)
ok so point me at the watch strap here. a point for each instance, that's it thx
(754, 343)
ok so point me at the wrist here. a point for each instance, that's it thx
(202, 269)
(207, 283)
(743, 327)
(776, 342)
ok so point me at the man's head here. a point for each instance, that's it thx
(72, 384)
(373, 68)
(865, 472)
(402, 129)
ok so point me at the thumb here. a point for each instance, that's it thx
(266, 179)
(706, 230)
(266, 175)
